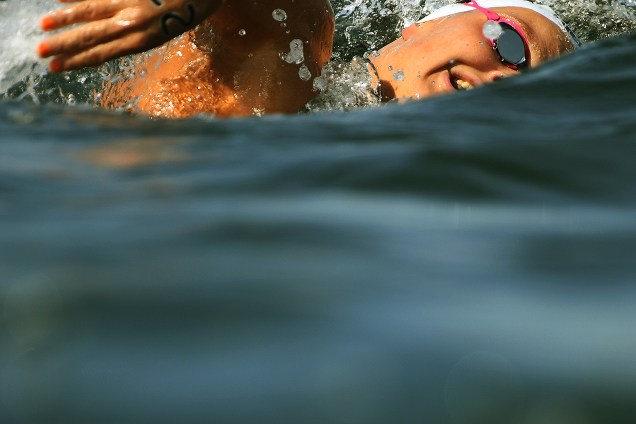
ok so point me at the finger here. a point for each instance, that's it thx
(133, 43)
(82, 38)
(81, 11)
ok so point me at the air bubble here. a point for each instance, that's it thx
(242, 32)
(492, 30)
(398, 76)
(279, 15)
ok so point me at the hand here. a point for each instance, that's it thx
(115, 28)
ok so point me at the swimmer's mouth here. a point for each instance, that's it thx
(461, 84)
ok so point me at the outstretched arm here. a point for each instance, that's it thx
(113, 28)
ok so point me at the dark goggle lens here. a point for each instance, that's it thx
(511, 47)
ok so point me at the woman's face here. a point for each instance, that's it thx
(451, 53)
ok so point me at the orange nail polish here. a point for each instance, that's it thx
(47, 23)
(44, 49)
(55, 65)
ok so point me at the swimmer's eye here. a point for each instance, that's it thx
(512, 47)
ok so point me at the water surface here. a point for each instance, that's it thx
(468, 259)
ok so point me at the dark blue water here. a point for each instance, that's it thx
(467, 259)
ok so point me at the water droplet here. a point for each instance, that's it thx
(320, 83)
(390, 68)
(304, 73)
(295, 54)
(399, 75)
(242, 32)
(492, 30)
(279, 15)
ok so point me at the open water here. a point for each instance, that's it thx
(466, 259)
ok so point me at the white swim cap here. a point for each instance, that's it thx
(545, 11)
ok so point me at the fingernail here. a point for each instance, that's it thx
(44, 49)
(47, 23)
(55, 65)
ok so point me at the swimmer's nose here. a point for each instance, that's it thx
(494, 76)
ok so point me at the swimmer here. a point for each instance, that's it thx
(245, 57)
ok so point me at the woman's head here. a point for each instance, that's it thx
(449, 50)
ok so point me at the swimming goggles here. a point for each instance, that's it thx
(512, 43)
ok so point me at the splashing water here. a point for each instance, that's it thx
(344, 86)
(591, 20)
(19, 33)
